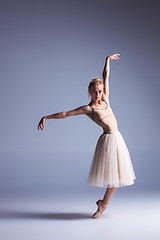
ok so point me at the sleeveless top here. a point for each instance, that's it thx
(104, 118)
(93, 111)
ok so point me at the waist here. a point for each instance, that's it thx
(110, 131)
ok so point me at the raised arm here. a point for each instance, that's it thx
(78, 111)
(106, 71)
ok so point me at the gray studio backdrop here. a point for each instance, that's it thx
(49, 51)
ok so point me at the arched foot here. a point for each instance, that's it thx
(100, 209)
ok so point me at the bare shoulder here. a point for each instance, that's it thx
(88, 111)
(85, 109)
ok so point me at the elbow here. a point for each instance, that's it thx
(60, 115)
(63, 115)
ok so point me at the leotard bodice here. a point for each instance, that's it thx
(105, 118)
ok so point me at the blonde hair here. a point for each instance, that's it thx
(94, 82)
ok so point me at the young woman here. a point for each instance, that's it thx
(111, 164)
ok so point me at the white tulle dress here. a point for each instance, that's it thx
(111, 164)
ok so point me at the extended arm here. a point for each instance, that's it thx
(106, 71)
(78, 111)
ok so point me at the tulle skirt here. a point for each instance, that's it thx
(111, 164)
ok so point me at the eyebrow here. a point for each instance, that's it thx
(97, 91)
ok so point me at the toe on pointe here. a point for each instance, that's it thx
(96, 214)
(100, 210)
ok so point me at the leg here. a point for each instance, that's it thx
(108, 194)
(102, 204)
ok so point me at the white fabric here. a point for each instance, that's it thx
(111, 165)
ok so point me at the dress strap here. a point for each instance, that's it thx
(92, 111)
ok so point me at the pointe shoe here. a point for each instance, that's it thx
(100, 209)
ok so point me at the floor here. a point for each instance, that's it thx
(68, 216)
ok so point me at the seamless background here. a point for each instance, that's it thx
(50, 50)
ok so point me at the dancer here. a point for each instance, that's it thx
(111, 165)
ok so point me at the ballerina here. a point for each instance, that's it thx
(111, 165)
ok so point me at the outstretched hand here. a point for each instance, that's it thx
(114, 56)
(41, 123)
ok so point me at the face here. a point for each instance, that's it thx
(96, 92)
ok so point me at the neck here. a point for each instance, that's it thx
(96, 102)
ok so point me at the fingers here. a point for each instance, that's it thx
(41, 125)
(42, 128)
(115, 56)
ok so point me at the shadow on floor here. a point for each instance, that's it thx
(32, 215)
